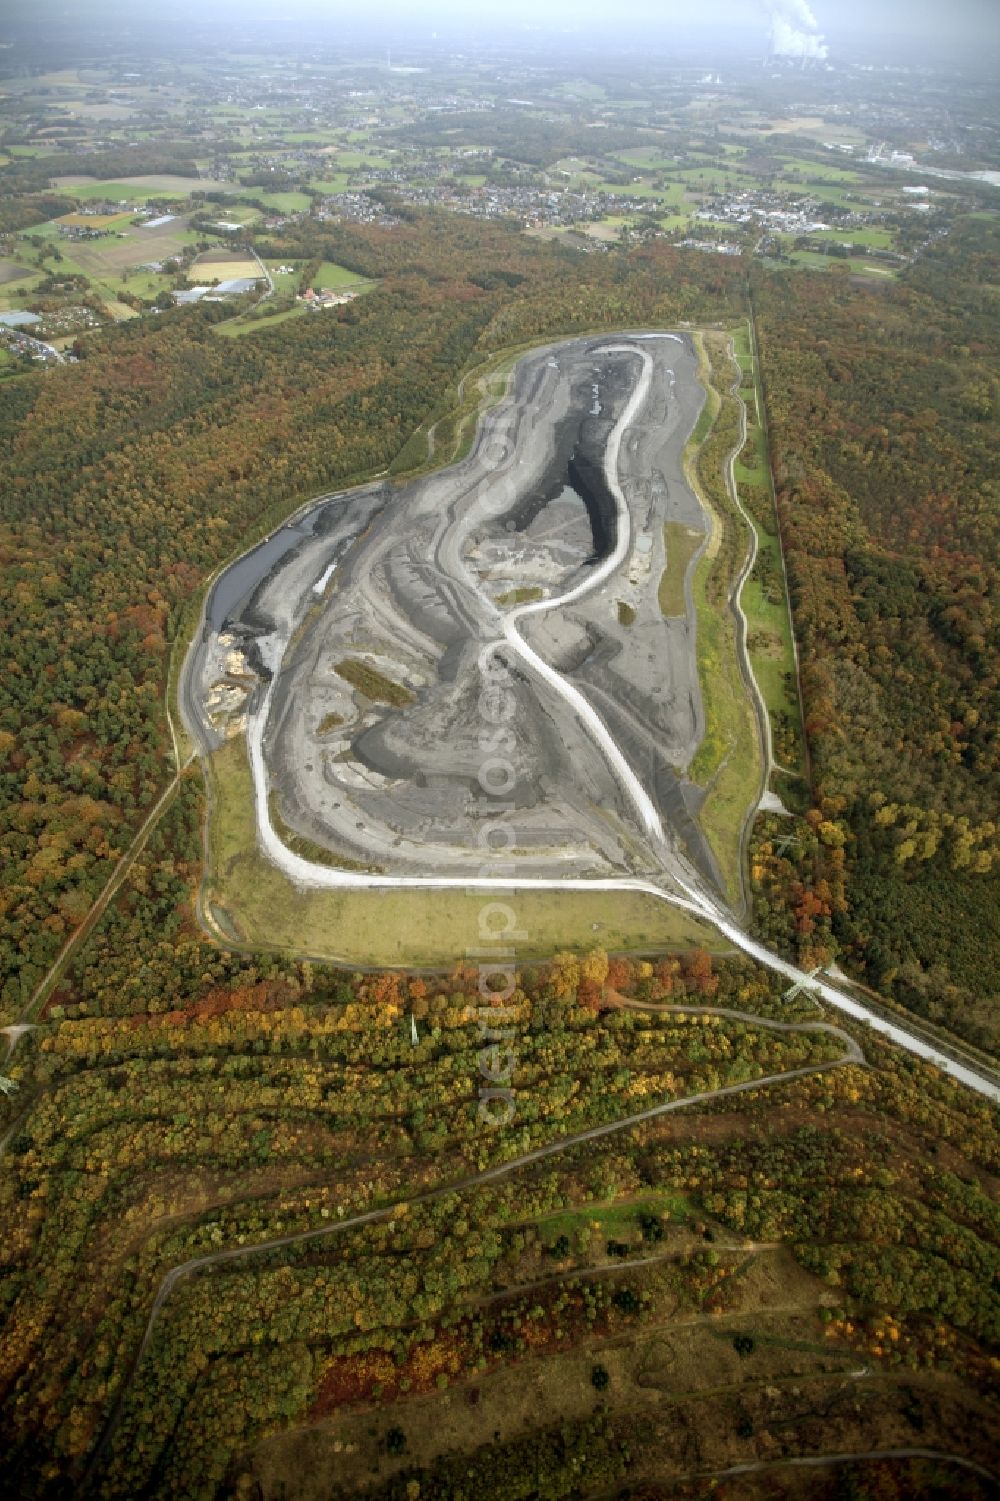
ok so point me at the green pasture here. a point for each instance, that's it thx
(130, 192)
(336, 277)
(337, 184)
(251, 323)
(612, 1220)
(281, 203)
(290, 281)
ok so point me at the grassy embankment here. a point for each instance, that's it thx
(728, 761)
(765, 596)
(255, 905)
(681, 543)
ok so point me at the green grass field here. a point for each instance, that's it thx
(770, 649)
(337, 183)
(821, 172)
(236, 328)
(290, 281)
(138, 190)
(857, 265)
(645, 156)
(352, 161)
(306, 137)
(145, 284)
(770, 642)
(281, 203)
(705, 419)
(727, 764)
(338, 278)
(705, 176)
(610, 1219)
(681, 543)
(254, 904)
(14, 294)
(728, 761)
(870, 234)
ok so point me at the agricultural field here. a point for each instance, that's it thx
(281, 203)
(338, 278)
(814, 126)
(258, 321)
(140, 188)
(798, 169)
(870, 235)
(95, 221)
(132, 243)
(112, 264)
(222, 265)
(12, 271)
(337, 183)
(857, 265)
(346, 160)
(289, 280)
(18, 289)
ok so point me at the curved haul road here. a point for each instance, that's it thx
(685, 890)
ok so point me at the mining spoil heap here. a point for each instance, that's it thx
(365, 625)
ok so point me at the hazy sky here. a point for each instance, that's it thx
(790, 22)
(831, 16)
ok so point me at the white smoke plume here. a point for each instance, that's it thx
(794, 30)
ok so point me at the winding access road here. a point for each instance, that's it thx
(681, 885)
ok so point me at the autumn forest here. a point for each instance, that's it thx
(257, 1242)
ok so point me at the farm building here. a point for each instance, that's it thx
(236, 285)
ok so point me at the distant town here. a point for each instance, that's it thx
(114, 220)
